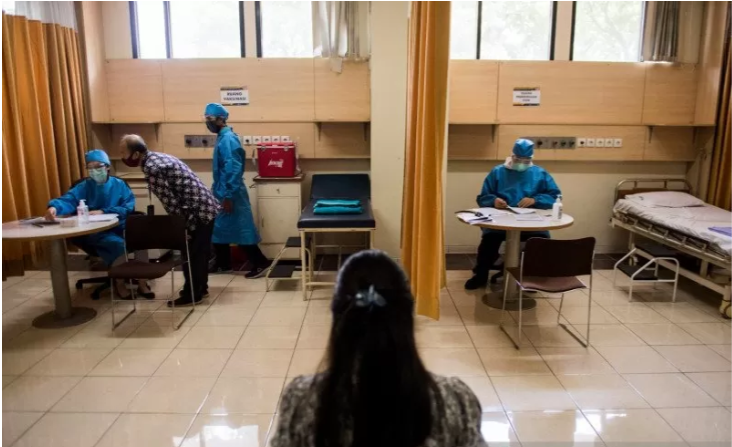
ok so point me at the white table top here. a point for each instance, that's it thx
(28, 232)
(508, 222)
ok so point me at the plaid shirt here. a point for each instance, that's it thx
(179, 189)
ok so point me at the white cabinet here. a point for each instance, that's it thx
(279, 202)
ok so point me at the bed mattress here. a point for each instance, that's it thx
(693, 221)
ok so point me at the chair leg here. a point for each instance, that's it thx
(585, 343)
(193, 301)
(559, 314)
(116, 324)
(506, 279)
(305, 268)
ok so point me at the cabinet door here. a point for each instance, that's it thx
(278, 218)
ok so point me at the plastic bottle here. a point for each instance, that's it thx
(557, 209)
(82, 213)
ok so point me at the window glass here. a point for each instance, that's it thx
(464, 30)
(204, 29)
(516, 30)
(151, 30)
(287, 29)
(607, 31)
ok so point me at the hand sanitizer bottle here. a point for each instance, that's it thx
(557, 209)
(82, 213)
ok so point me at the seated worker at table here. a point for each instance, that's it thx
(516, 183)
(103, 194)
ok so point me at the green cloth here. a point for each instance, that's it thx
(338, 210)
(337, 203)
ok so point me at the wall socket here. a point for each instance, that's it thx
(257, 139)
(276, 138)
(285, 139)
(553, 142)
(599, 142)
(590, 142)
(247, 139)
(266, 139)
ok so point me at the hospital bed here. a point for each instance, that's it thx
(311, 225)
(681, 230)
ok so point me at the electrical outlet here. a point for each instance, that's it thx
(275, 138)
(618, 142)
(599, 142)
(266, 139)
(285, 139)
(192, 141)
(257, 139)
(609, 142)
(581, 142)
(590, 142)
(247, 139)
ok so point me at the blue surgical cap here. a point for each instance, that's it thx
(523, 148)
(216, 109)
(97, 155)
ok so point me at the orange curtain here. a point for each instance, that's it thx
(720, 180)
(44, 122)
(423, 247)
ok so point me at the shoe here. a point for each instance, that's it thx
(257, 272)
(147, 295)
(184, 301)
(476, 282)
(204, 294)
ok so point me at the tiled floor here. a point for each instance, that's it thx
(656, 373)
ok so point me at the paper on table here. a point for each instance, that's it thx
(529, 217)
(488, 211)
(102, 217)
(472, 219)
(522, 210)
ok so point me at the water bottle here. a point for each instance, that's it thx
(557, 209)
(82, 213)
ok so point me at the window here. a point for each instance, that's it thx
(501, 30)
(187, 29)
(607, 31)
(285, 29)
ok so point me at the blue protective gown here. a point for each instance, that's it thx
(512, 186)
(238, 226)
(112, 197)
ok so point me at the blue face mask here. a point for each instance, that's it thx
(98, 174)
(520, 167)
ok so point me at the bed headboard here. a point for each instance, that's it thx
(639, 185)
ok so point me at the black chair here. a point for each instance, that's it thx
(551, 266)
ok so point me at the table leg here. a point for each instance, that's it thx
(64, 315)
(512, 258)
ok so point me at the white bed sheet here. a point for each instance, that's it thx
(693, 221)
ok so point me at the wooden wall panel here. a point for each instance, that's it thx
(342, 96)
(471, 142)
(93, 42)
(670, 94)
(573, 92)
(473, 92)
(670, 144)
(634, 138)
(342, 140)
(151, 133)
(279, 89)
(135, 89)
(710, 62)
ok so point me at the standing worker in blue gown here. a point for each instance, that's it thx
(103, 194)
(235, 224)
(516, 183)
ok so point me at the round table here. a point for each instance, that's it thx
(512, 256)
(64, 314)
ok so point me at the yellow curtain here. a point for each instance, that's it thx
(720, 180)
(423, 248)
(44, 122)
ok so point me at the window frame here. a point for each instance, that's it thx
(135, 34)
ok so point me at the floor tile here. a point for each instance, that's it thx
(528, 393)
(158, 336)
(466, 297)
(101, 394)
(278, 316)
(694, 358)
(669, 390)
(723, 350)
(41, 338)
(497, 430)
(7, 380)
(147, 430)
(449, 316)
(99, 334)
(67, 430)
(18, 361)
(546, 427)
(15, 424)
(479, 314)
(633, 427)
(241, 284)
(30, 393)
(602, 392)
(575, 361)
(542, 314)
(483, 389)
(242, 430)
(172, 395)
(211, 337)
(663, 334)
(701, 426)
(513, 362)
(194, 363)
(578, 316)
(635, 360)
(716, 384)
(488, 337)
(636, 313)
(130, 362)
(69, 362)
(443, 337)
(283, 299)
(244, 395)
(238, 317)
(258, 363)
(612, 335)
(229, 299)
(452, 361)
(305, 361)
(314, 337)
(317, 316)
(550, 337)
(681, 312)
(270, 337)
(710, 333)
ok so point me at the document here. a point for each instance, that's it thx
(472, 219)
(102, 217)
(522, 210)
(528, 217)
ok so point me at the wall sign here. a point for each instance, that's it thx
(234, 96)
(526, 96)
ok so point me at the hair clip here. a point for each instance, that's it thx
(370, 298)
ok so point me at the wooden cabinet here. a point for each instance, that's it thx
(279, 203)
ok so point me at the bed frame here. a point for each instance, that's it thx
(676, 240)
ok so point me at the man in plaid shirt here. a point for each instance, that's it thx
(182, 194)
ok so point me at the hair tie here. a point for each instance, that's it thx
(370, 298)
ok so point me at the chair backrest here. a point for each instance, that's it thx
(553, 258)
(143, 232)
(340, 186)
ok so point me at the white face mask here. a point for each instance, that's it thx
(517, 166)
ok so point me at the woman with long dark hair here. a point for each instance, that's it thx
(375, 391)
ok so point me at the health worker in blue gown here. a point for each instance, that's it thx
(235, 224)
(516, 183)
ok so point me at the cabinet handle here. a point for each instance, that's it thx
(262, 222)
(278, 190)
